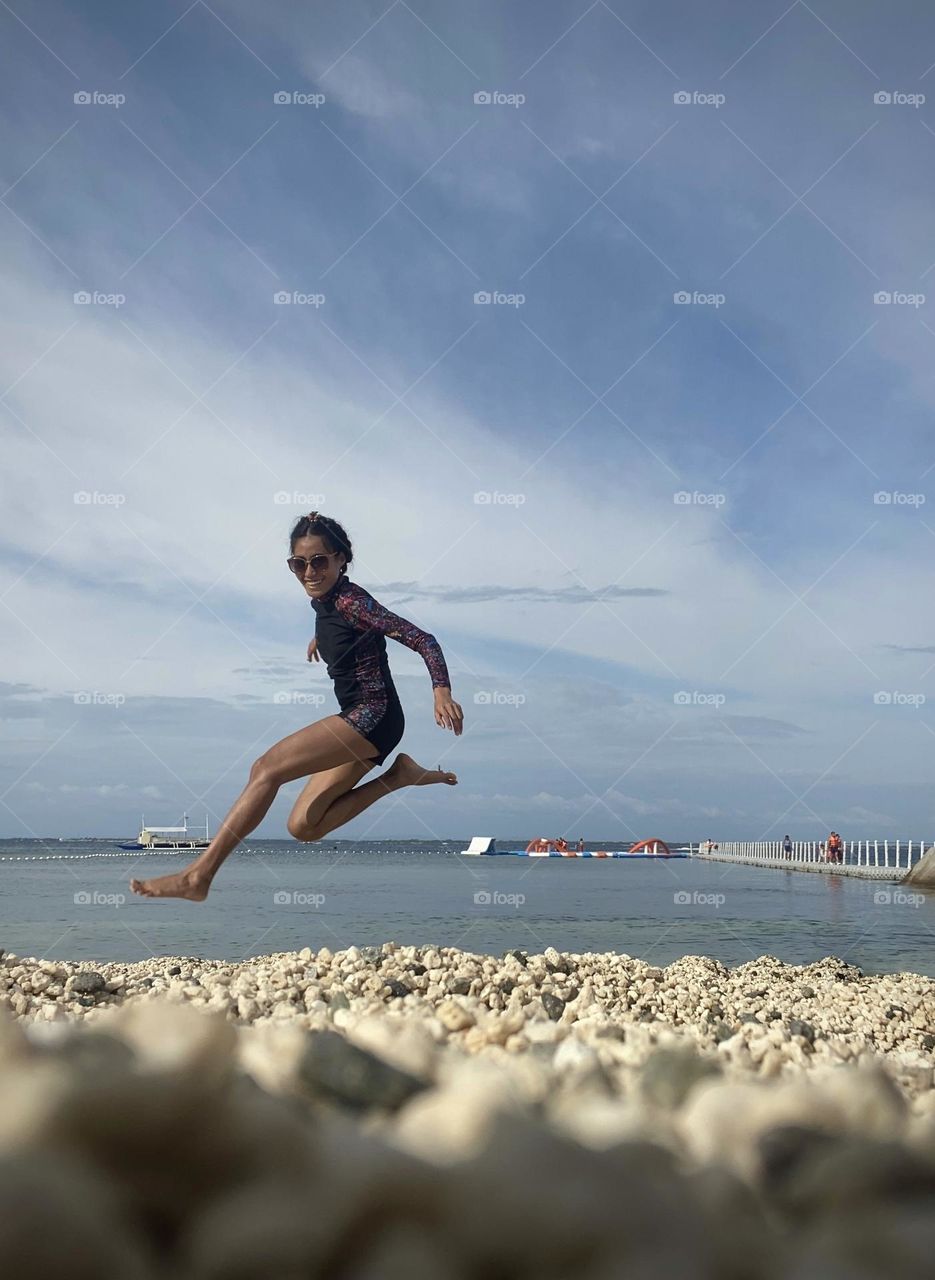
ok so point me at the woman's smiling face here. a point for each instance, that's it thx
(318, 580)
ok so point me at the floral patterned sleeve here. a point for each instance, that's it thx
(367, 614)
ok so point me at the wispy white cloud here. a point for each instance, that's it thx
(364, 88)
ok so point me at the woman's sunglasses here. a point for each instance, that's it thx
(319, 563)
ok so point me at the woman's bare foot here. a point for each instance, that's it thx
(184, 884)
(405, 772)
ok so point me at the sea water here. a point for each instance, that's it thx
(270, 895)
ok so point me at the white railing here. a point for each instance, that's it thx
(855, 853)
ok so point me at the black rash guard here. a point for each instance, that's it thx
(351, 629)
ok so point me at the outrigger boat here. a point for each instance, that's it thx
(168, 839)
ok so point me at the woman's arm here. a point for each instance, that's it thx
(366, 613)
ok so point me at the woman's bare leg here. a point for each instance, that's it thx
(323, 807)
(322, 745)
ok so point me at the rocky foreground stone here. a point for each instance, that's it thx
(430, 1114)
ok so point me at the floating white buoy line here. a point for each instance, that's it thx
(74, 857)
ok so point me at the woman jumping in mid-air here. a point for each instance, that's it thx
(350, 631)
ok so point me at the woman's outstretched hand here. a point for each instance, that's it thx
(313, 650)
(447, 712)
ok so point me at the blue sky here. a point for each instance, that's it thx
(682, 611)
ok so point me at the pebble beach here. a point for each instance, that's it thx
(427, 1112)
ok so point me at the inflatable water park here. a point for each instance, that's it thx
(486, 846)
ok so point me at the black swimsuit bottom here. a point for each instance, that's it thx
(351, 629)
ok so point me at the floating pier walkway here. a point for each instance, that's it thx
(866, 859)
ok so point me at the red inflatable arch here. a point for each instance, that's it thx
(655, 845)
